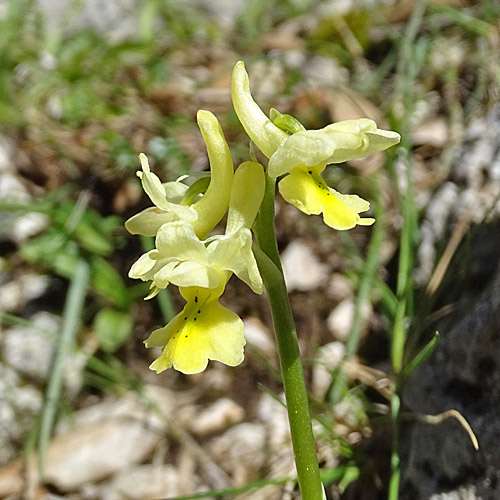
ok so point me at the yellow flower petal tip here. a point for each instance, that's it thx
(203, 331)
(212, 206)
(266, 136)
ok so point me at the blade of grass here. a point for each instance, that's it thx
(71, 318)
(444, 261)
(461, 18)
(398, 337)
(412, 54)
(341, 473)
(363, 296)
(235, 490)
(420, 358)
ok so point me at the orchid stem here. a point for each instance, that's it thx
(297, 403)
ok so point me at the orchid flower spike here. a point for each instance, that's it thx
(301, 155)
(204, 329)
(170, 198)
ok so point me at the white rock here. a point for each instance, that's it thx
(117, 20)
(346, 411)
(322, 71)
(107, 438)
(257, 335)
(274, 416)
(224, 13)
(130, 406)
(216, 417)
(462, 493)
(74, 366)
(340, 287)
(96, 450)
(11, 188)
(217, 378)
(303, 271)
(339, 321)
(30, 350)
(329, 357)
(434, 132)
(15, 294)
(144, 482)
(240, 450)
(28, 225)
(267, 78)
(18, 408)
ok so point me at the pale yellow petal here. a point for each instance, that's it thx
(381, 140)
(299, 189)
(246, 196)
(178, 240)
(266, 136)
(203, 331)
(358, 138)
(161, 336)
(175, 191)
(309, 148)
(354, 127)
(187, 274)
(309, 193)
(212, 206)
(365, 221)
(148, 221)
(156, 192)
(143, 267)
(153, 291)
(234, 253)
(352, 201)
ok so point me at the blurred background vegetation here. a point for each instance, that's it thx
(84, 88)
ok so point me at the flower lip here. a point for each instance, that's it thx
(306, 190)
(204, 330)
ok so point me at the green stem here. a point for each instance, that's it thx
(71, 319)
(395, 462)
(264, 225)
(286, 336)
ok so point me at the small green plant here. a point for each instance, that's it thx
(186, 255)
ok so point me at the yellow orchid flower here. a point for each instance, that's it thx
(205, 330)
(208, 210)
(303, 155)
(181, 258)
(184, 260)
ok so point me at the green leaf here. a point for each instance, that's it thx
(112, 328)
(109, 283)
(420, 358)
(351, 473)
(92, 239)
(52, 250)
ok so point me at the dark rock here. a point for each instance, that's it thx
(462, 374)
